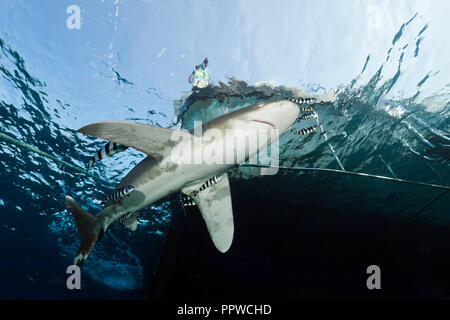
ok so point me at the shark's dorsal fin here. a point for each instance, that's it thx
(214, 203)
(152, 140)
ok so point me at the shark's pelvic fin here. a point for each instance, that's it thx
(89, 228)
(152, 140)
(130, 222)
(214, 203)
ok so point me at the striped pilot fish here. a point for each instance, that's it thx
(302, 100)
(208, 183)
(307, 116)
(118, 194)
(187, 201)
(307, 109)
(107, 150)
(306, 131)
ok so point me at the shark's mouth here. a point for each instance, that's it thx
(265, 122)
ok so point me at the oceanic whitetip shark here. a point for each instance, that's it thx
(162, 173)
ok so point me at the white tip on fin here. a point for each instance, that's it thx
(215, 205)
(152, 140)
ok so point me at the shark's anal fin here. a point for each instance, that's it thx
(152, 140)
(215, 206)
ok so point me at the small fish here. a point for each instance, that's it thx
(301, 100)
(187, 201)
(307, 116)
(118, 194)
(306, 109)
(208, 183)
(107, 150)
(306, 131)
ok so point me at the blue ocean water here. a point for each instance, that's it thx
(390, 118)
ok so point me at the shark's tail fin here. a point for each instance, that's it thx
(89, 228)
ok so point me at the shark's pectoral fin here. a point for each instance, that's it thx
(152, 140)
(215, 205)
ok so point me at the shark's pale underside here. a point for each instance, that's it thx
(162, 173)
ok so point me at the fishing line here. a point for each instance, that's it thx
(309, 100)
(329, 144)
(442, 193)
(368, 175)
(428, 204)
(31, 148)
(387, 166)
